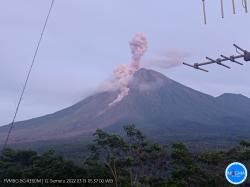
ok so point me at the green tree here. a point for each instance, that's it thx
(132, 156)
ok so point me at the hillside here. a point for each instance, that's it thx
(164, 109)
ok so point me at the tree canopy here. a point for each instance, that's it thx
(129, 160)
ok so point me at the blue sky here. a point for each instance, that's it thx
(86, 39)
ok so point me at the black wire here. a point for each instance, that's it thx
(28, 75)
(237, 51)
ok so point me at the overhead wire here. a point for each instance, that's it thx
(28, 74)
(237, 51)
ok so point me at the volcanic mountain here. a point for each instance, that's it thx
(160, 107)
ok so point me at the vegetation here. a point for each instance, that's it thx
(130, 160)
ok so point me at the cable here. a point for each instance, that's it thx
(28, 75)
(237, 51)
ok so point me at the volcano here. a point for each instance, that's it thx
(162, 108)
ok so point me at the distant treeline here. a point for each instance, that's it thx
(129, 161)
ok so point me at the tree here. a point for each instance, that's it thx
(131, 156)
(131, 160)
(16, 164)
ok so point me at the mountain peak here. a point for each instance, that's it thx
(231, 95)
(154, 103)
(149, 75)
(145, 79)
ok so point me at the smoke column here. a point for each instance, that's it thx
(138, 47)
(170, 59)
(124, 73)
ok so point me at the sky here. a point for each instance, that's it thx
(86, 40)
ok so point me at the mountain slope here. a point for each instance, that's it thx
(161, 107)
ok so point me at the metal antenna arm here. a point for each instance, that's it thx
(222, 8)
(245, 6)
(239, 48)
(195, 66)
(234, 12)
(204, 11)
(218, 61)
(232, 59)
(244, 54)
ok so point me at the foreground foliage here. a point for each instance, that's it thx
(130, 160)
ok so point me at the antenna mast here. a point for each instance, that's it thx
(204, 11)
(244, 4)
(222, 8)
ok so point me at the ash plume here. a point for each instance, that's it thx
(168, 60)
(138, 47)
(124, 73)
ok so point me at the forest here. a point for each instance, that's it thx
(128, 160)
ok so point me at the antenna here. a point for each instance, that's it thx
(239, 48)
(232, 59)
(222, 8)
(218, 61)
(244, 4)
(196, 66)
(204, 12)
(245, 55)
(233, 3)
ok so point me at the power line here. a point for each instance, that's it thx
(28, 75)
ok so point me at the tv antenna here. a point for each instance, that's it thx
(242, 54)
(244, 5)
